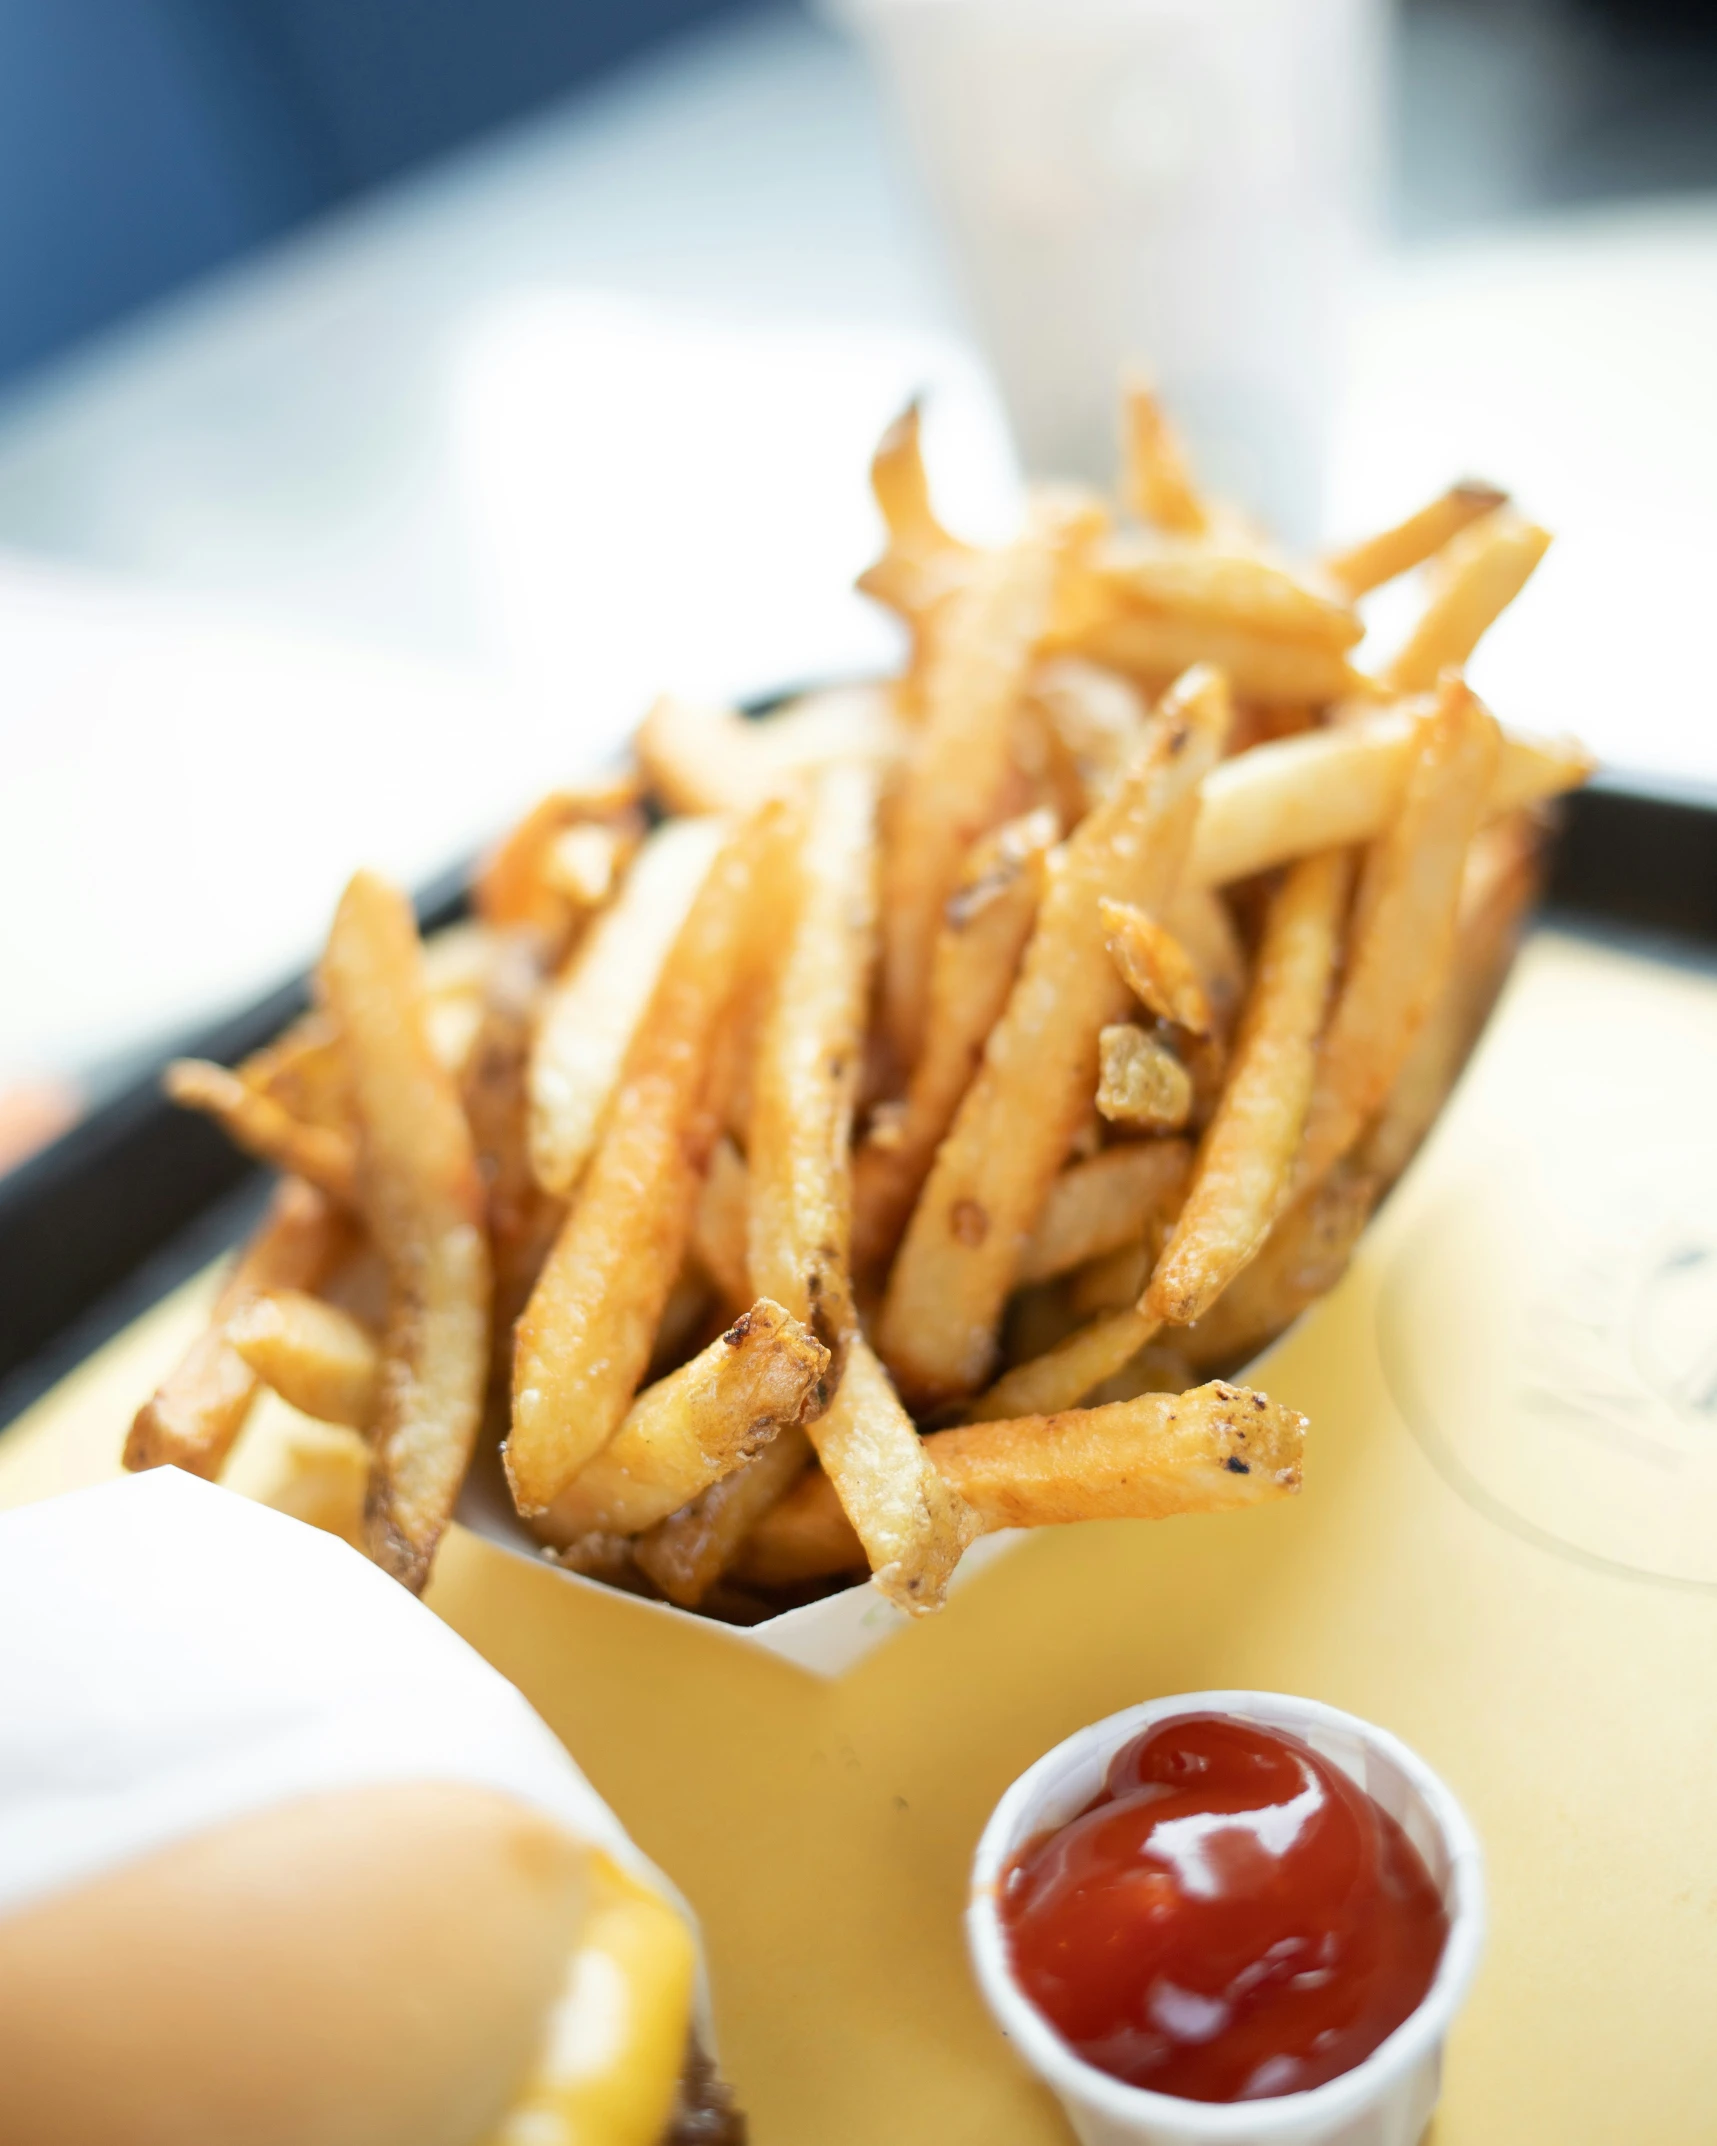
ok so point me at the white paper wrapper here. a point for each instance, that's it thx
(172, 1656)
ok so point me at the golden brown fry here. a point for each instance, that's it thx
(704, 760)
(313, 1355)
(585, 1338)
(922, 563)
(1211, 1450)
(1116, 1281)
(1259, 667)
(1017, 1120)
(1476, 579)
(303, 1071)
(954, 781)
(1140, 1081)
(913, 1527)
(694, 1427)
(1199, 919)
(1097, 1206)
(193, 1416)
(1147, 1457)
(1096, 718)
(1303, 1258)
(1155, 967)
(984, 929)
(1498, 887)
(324, 1155)
(1403, 933)
(593, 1010)
(805, 1077)
(1156, 483)
(1395, 551)
(423, 1200)
(520, 1217)
(805, 1536)
(690, 1551)
(1062, 1377)
(1247, 1157)
(510, 886)
(1332, 789)
(587, 861)
(719, 1229)
(1224, 587)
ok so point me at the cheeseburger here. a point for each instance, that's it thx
(284, 1863)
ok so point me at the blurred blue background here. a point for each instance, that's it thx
(144, 142)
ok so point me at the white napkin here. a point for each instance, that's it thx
(172, 1656)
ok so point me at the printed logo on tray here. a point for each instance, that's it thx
(1554, 1349)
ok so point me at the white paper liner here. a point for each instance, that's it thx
(172, 1656)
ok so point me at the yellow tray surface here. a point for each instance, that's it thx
(1506, 1551)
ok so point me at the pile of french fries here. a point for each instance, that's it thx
(848, 1131)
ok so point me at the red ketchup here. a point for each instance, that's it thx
(1232, 1918)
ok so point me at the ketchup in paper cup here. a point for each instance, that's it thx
(1234, 1917)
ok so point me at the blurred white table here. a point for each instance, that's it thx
(585, 414)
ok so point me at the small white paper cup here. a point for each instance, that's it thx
(1385, 2101)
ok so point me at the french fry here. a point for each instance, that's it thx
(303, 1071)
(1061, 1378)
(520, 1217)
(953, 784)
(1207, 585)
(1155, 967)
(1246, 1159)
(586, 1335)
(593, 1009)
(1403, 933)
(510, 886)
(1156, 483)
(1140, 1081)
(1478, 576)
(1214, 1449)
(1259, 667)
(804, 1536)
(692, 1550)
(805, 1077)
(1115, 1282)
(913, 1527)
(423, 1200)
(993, 1172)
(1332, 789)
(1303, 1258)
(719, 1229)
(1095, 1207)
(1199, 920)
(194, 1415)
(1096, 718)
(715, 760)
(1393, 552)
(324, 1155)
(586, 862)
(316, 1357)
(986, 923)
(1498, 886)
(922, 563)
(695, 1426)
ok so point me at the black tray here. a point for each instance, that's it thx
(140, 1194)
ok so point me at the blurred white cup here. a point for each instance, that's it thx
(1175, 186)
